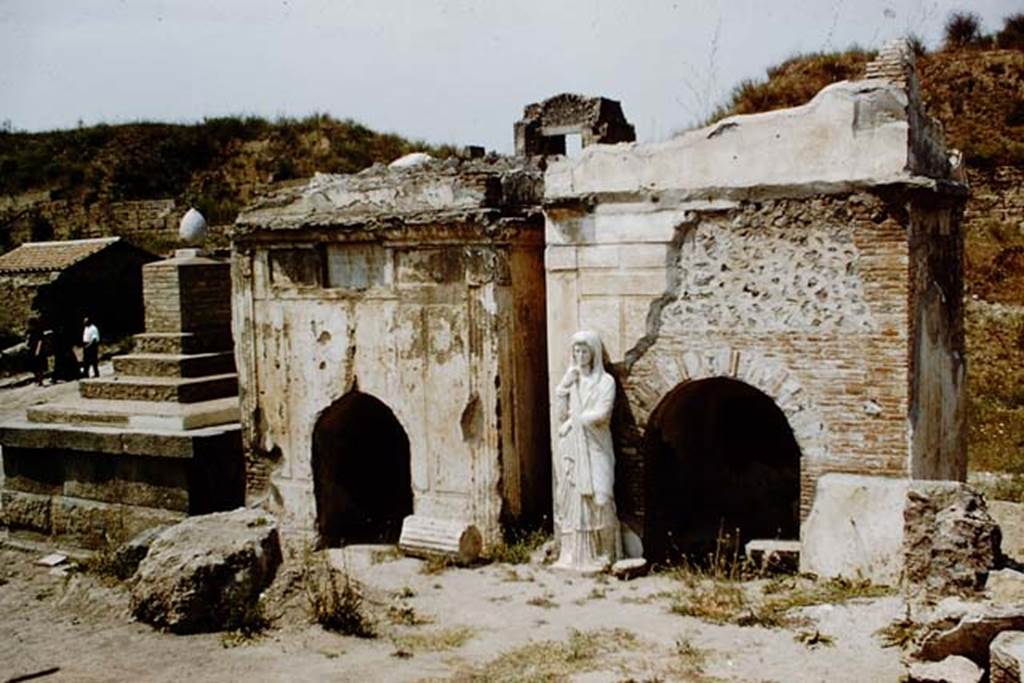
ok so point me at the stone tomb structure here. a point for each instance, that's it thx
(157, 441)
(390, 327)
(780, 295)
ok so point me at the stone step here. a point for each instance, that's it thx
(138, 414)
(171, 389)
(182, 342)
(175, 365)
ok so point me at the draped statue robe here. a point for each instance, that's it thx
(585, 514)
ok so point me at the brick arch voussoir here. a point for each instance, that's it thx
(659, 372)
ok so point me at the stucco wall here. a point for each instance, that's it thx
(444, 335)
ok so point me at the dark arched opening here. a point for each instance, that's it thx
(361, 476)
(722, 460)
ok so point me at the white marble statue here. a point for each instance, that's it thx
(585, 516)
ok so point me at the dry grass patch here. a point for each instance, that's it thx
(551, 661)
(433, 641)
(726, 602)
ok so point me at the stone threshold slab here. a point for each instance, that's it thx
(146, 415)
(101, 439)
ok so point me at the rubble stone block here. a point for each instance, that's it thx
(935, 538)
(430, 537)
(204, 573)
(950, 541)
(952, 669)
(1010, 517)
(1006, 657)
(1005, 587)
(968, 630)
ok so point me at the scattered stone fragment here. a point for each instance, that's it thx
(205, 573)
(774, 556)
(1006, 657)
(952, 669)
(1010, 517)
(630, 568)
(1005, 587)
(968, 635)
(52, 560)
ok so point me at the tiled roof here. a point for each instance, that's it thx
(51, 256)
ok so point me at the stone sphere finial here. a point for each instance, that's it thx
(192, 228)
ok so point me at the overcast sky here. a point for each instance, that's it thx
(455, 71)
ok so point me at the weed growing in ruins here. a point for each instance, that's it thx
(434, 641)
(550, 660)
(814, 638)
(517, 548)
(543, 601)
(251, 622)
(336, 608)
(690, 655)
(722, 602)
(717, 602)
(900, 632)
(406, 615)
(385, 555)
(436, 564)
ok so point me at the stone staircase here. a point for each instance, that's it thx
(157, 440)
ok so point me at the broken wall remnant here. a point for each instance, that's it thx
(813, 254)
(157, 441)
(597, 120)
(420, 289)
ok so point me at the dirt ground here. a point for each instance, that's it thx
(496, 622)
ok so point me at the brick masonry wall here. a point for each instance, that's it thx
(808, 300)
(160, 292)
(206, 297)
(144, 220)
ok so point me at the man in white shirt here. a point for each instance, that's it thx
(90, 349)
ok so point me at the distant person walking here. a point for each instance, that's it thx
(36, 349)
(90, 349)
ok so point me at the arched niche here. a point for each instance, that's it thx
(361, 472)
(722, 463)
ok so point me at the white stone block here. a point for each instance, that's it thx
(643, 255)
(599, 256)
(560, 257)
(855, 529)
(649, 282)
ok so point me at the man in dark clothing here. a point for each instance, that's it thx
(35, 349)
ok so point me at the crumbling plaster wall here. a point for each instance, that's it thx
(783, 249)
(449, 337)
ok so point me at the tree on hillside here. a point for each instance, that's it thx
(1012, 35)
(963, 29)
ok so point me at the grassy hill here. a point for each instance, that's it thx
(217, 165)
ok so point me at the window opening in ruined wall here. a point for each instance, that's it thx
(361, 472)
(723, 464)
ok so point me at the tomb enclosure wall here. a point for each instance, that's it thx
(439, 317)
(799, 251)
